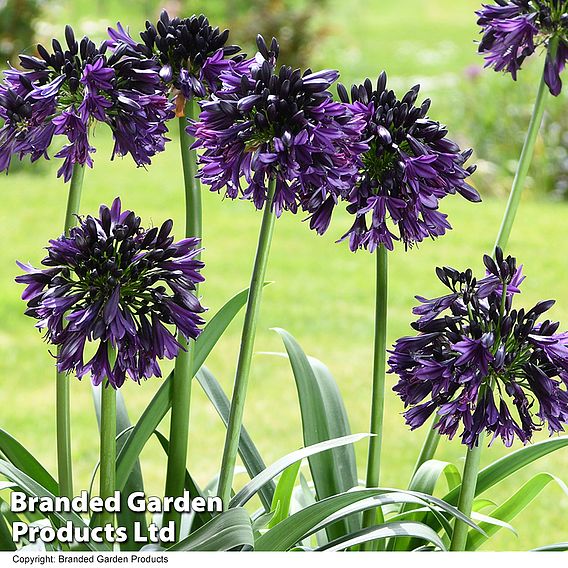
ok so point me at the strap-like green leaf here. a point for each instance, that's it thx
(250, 456)
(16, 454)
(161, 402)
(34, 489)
(481, 518)
(510, 464)
(505, 467)
(306, 521)
(387, 530)
(283, 494)
(226, 531)
(135, 483)
(427, 476)
(254, 485)
(6, 542)
(323, 418)
(512, 507)
(425, 480)
(557, 547)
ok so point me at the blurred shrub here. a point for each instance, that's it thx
(492, 115)
(17, 19)
(292, 22)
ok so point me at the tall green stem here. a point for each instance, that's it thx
(182, 379)
(429, 447)
(108, 450)
(525, 159)
(62, 398)
(467, 493)
(379, 368)
(246, 349)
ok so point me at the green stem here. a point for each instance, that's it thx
(108, 450)
(181, 383)
(246, 348)
(372, 516)
(429, 448)
(62, 398)
(525, 159)
(467, 493)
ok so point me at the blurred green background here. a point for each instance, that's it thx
(322, 293)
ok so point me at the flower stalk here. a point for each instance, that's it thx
(182, 379)
(378, 390)
(467, 494)
(428, 448)
(247, 346)
(107, 450)
(525, 159)
(62, 396)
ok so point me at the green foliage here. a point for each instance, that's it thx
(247, 450)
(493, 118)
(227, 531)
(265, 476)
(21, 458)
(34, 489)
(283, 494)
(161, 402)
(17, 21)
(383, 532)
(323, 418)
(294, 22)
(508, 510)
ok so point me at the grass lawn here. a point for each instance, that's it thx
(322, 293)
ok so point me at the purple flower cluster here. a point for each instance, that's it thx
(118, 286)
(277, 124)
(65, 91)
(480, 364)
(409, 165)
(191, 54)
(514, 29)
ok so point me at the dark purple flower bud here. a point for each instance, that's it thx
(120, 287)
(408, 167)
(191, 54)
(267, 123)
(476, 356)
(513, 29)
(67, 91)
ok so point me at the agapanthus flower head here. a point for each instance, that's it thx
(69, 89)
(268, 123)
(409, 166)
(113, 287)
(514, 29)
(481, 365)
(190, 52)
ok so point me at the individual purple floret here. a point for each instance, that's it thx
(191, 54)
(481, 365)
(410, 165)
(70, 89)
(282, 124)
(514, 29)
(113, 287)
